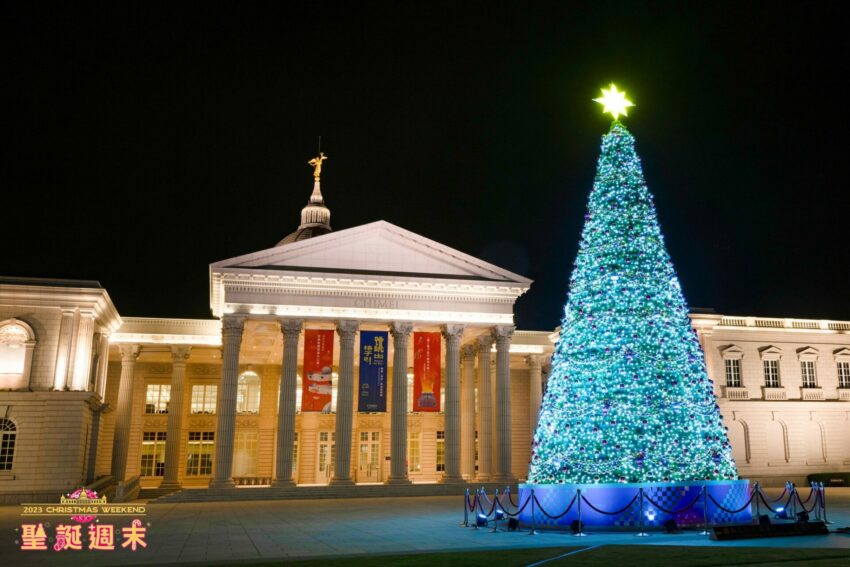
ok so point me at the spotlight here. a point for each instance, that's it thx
(781, 514)
(803, 517)
(500, 514)
(513, 524)
(670, 527)
(764, 520)
(576, 527)
(481, 521)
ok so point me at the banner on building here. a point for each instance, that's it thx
(426, 371)
(317, 385)
(373, 371)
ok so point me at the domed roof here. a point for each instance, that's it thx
(315, 218)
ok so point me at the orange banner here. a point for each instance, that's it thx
(318, 370)
(426, 371)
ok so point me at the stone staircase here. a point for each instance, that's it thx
(319, 492)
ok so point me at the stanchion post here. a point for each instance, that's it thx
(793, 501)
(533, 530)
(580, 524)
(823, 503)
(758, 504)
(642, 532)
(495, 511)
(465, 522)
(704, 510)
(477, 509)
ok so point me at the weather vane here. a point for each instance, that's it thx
(316, 162)
(614, 102)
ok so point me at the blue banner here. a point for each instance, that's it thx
(372, 395)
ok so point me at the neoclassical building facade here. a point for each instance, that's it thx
(88, 397)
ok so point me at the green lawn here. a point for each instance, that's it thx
(616, 555)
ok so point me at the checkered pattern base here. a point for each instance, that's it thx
(684, 500)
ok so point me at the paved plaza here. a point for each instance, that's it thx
(265, 530)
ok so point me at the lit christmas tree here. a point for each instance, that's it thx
(628, 399)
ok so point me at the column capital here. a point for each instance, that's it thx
(232, 326)
(469, 350)
(504, 332)
(452, 331)
(129, 352)
(347, 328)
(534, 360)
(400, 329)
(180, 353)
(485, 342)
(291, 328)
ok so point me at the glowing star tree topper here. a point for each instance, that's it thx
(629, 398)
(614, 102)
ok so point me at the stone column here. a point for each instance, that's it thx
(467, 412)
(231, 340)
(485, 409)
(535, 390)
(398, 412)
(173, 437)
(80, 380)
(63, 370)
(124, 411)
(102, 365)
(347, 331)
(502, 335)
(453, 334)
(291, 329)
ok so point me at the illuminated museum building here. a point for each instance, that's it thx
(86, 394)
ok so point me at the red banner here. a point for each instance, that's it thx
(426, 371)
(318, 370)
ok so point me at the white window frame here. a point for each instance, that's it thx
(414, 452)
(8, 442)
(11, 341)
(158, 404)
(732, 371)
(842, 367)
(153, 445)
(200, 444)
(248, 393)
(204, 399)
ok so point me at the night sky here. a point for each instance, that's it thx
(142, 142)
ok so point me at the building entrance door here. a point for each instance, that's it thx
(368, 457)
(327, 457)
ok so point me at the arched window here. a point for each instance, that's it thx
(8, 433)
(17, 342)
(248, 393)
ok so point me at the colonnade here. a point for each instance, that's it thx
(492, 420)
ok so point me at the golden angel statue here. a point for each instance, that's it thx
(316, 162)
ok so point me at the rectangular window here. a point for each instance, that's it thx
(200, 454)
(441, 451)
(7, 444)
(245, 453)
(733, 372)
(153, 453)
(157, 397)
(476, 450)
(203, 398)
(771, 373)
(844, 374)
(413, 458)
(807, 367)
(295, 452)
(327, 451)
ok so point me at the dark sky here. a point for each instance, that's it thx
(142, 141)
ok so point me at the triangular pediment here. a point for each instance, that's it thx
(374, 249)
(842, 354)
(807, 352)
(732, 351)
(770, 352)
